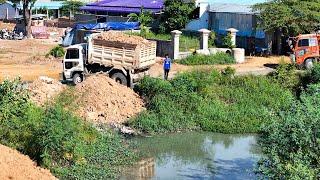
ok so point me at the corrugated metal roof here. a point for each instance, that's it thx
(126, 6)
(243, 2)
(231, 8)
(43, 4)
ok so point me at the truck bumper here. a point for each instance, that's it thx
(293, 58)
(138, 76)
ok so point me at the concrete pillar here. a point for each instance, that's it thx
(58, 13)
(175, 39)
(204, 38)
(233, 33)
(47, 14)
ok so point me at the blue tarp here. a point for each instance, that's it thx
(71, 36)
(109, 26)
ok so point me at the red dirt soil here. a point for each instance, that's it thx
(101, 100)
(14, 165)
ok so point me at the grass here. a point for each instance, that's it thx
(197, 59)
(210, 101)
(187, 42)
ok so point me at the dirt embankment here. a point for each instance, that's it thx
(45, 89)
(98, 99)
(14, 165)
(103, 101)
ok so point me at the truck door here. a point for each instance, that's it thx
(73, 62)
(307, 48)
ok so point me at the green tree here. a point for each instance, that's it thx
(290, 17)
(175, 15)
(144, 17)
(26, 12)
(72, 6)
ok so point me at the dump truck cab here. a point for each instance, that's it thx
(74, 63)
(305, 49)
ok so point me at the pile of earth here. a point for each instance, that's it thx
(44, 89)
(119, 37)
(101, 100)
(18, 166)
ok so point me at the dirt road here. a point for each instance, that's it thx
(252, 65)
(26, 58)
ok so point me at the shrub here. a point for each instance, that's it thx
(313, 74)
(57, 51)
(210, 101)
(219, 58)
(291, 143)
(73, 149)
(227, 41)
(286, 75)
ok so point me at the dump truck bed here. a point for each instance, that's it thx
(127, 54)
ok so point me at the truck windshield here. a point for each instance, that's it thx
(72, 54)
(303, 42)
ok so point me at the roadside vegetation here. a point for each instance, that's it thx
(198, 59)
(57, 140)
(210, 101)
(291, 141)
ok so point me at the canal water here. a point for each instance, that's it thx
(195, 155)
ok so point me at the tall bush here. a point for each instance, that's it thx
(291, 143)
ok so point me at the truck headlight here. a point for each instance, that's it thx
(301, 52)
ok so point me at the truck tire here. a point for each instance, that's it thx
(120, 78)
(308, 64)
(76, 79)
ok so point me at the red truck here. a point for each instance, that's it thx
(306, 49)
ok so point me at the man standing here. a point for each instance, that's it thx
(166, 66)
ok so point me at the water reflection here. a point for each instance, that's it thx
(196, 155)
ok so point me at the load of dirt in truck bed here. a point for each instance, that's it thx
(122, 38)
(15, 165)
(101, 100)
(44, 89)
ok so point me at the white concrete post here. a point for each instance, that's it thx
(233, 33)
(204, 38)
(175, 36)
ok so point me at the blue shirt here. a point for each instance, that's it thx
(167, 64)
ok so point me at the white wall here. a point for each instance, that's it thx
(203, 20)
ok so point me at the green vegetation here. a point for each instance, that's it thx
(290, 17)
(176, 15)
(57, 51)
(69, 147)
(219, 58)
(227, 41)
(210, 101)
(291, 142)
(187, 42)
(71, 7)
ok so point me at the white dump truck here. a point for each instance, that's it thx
(124, 58)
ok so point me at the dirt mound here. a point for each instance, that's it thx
(120, 37)
(103, 101)
(18, 166)
(44, 89)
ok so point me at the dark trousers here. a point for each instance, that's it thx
(166, 74)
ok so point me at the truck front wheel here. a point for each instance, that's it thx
(120, 78)
(308, 63)
(76, 79)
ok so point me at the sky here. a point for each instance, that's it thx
(246, 2)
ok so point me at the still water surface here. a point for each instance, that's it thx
(196, 155)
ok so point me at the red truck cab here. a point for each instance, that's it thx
(305, 50)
